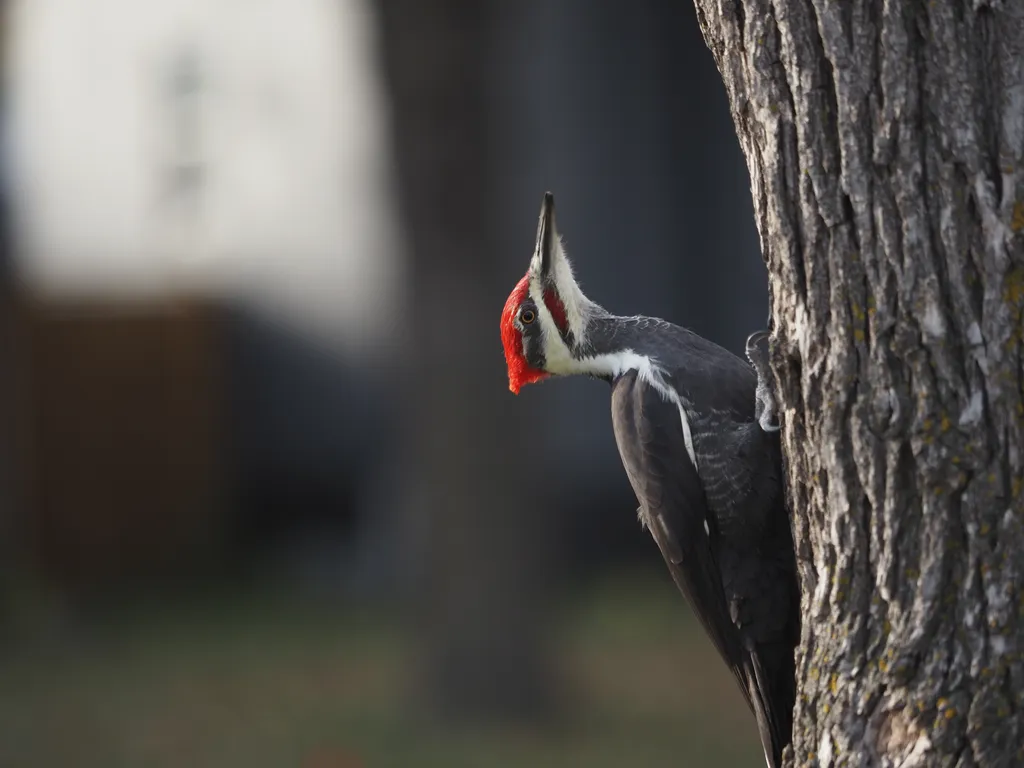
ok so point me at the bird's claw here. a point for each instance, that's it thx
(765, 407)
(757, 347)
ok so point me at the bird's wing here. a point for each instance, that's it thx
(752, 617)
(651, 442)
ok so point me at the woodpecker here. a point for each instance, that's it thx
(697, 432)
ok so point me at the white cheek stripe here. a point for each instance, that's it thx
(616, 363)
(576, 305)
(558, 357)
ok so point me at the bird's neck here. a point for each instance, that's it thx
(610, 346)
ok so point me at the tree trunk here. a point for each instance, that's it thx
(884, 141)
(480, 527)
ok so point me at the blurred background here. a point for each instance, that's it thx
(265, 498)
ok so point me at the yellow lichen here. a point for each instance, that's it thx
(1017, 221)
(1013, 293)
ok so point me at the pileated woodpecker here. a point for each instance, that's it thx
(696, 430)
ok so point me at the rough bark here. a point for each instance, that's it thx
(884, 140)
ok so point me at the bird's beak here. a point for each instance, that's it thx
(546, 233)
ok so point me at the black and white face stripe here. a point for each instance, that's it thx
(528, 322)
(553, 287)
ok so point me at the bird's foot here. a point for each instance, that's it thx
(765, 406)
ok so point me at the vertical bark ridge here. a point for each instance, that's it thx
(885, 142)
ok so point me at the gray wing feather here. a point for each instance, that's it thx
(673, 503)
(738, 572)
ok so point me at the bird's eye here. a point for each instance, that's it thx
(527, 316)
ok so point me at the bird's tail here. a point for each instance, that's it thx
(772, 695)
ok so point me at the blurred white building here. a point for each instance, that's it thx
(231, 146)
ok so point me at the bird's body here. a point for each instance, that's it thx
(702, 456)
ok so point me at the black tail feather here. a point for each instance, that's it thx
(771, 690)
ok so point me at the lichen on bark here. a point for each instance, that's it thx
(885, 143)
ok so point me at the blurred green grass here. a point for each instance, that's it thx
(266, 681)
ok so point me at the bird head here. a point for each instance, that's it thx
(544, 320)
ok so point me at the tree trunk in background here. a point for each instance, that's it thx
(10, 530)
(481, 532)
(884, 141)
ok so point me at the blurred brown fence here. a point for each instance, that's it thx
(119, 415)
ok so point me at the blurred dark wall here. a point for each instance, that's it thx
(313, 456)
